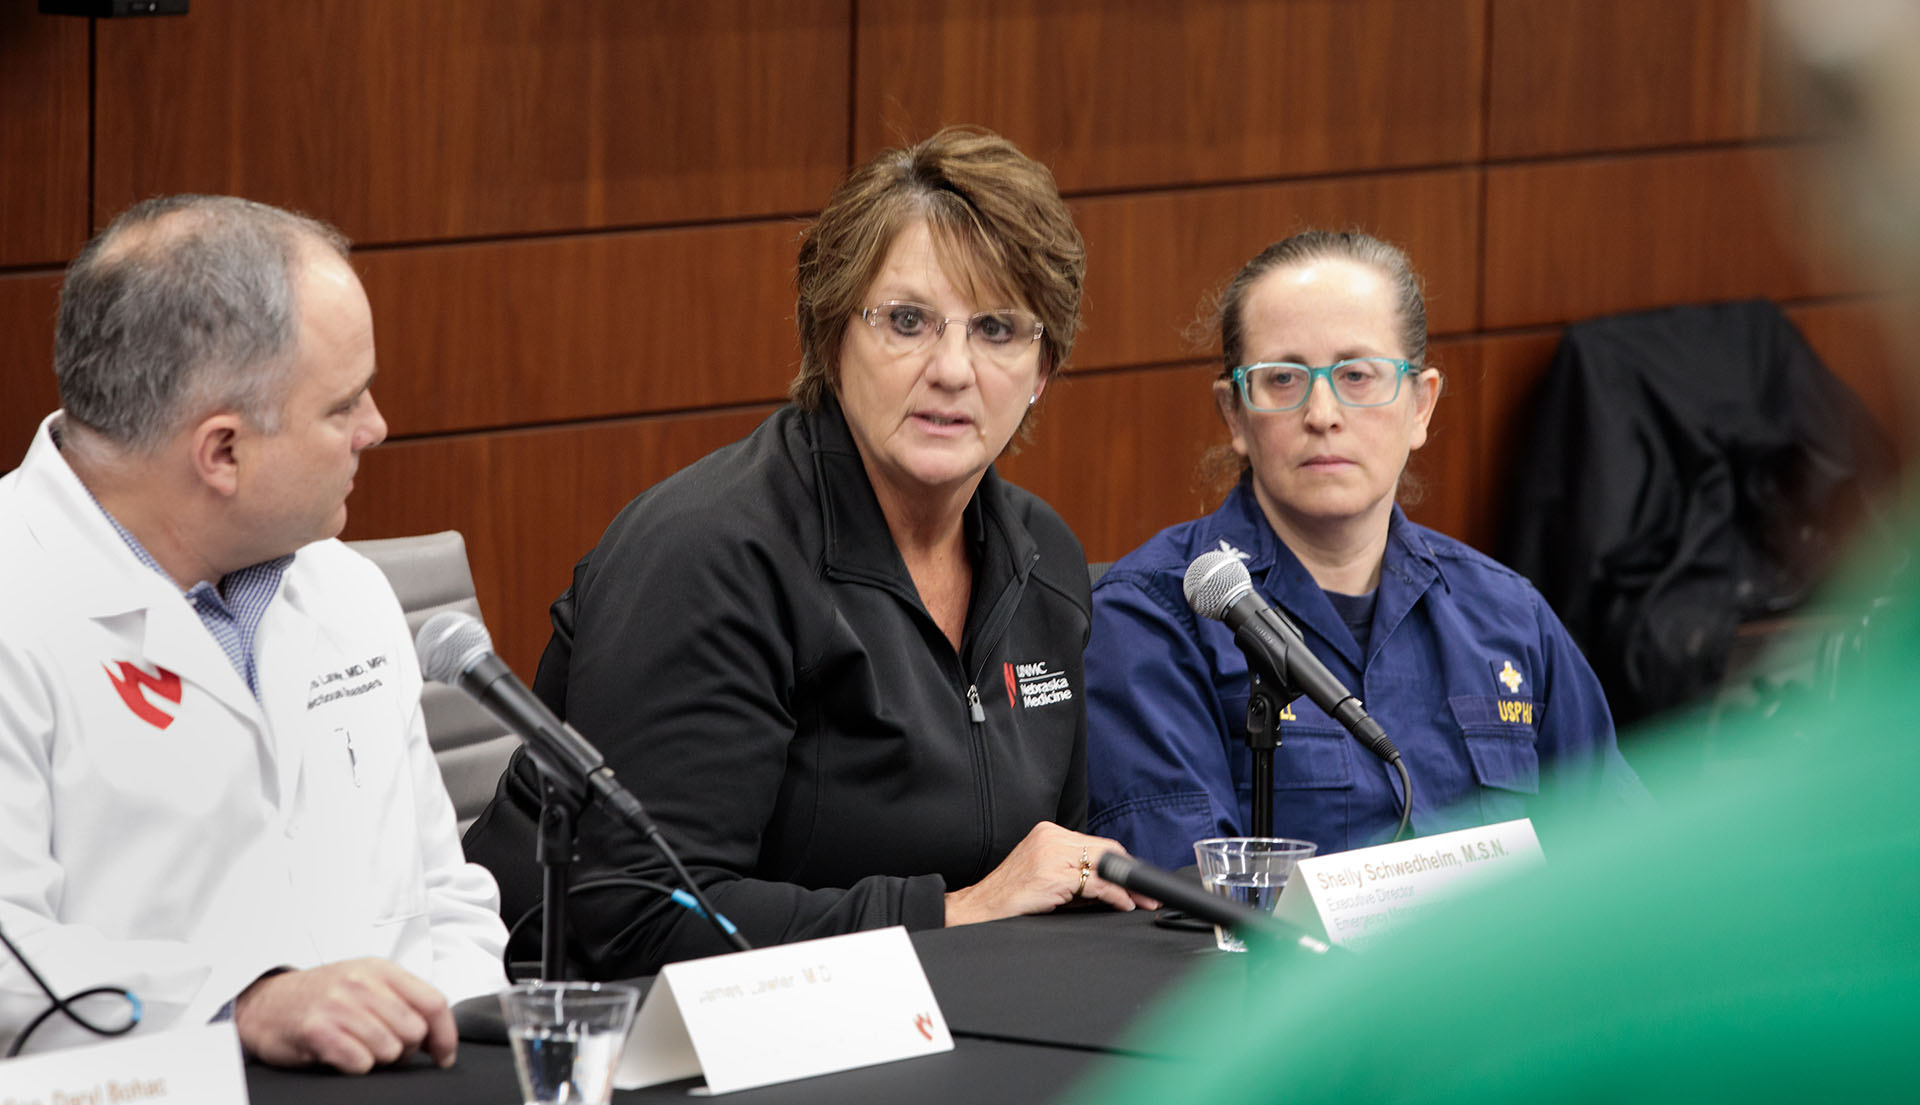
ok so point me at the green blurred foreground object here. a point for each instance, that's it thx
(1755, 937)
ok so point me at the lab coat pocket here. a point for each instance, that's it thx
(356, 771)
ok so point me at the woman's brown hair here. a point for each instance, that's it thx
(998, 224)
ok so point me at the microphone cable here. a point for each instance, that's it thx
(678, 896)
(62, 1005)
(1406, 807)
(1354, 718)
(452, 645)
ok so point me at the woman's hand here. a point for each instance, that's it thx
(1048, 869)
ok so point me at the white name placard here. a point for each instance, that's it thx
(792, 1011)
(185, 1066)
(1350, 898)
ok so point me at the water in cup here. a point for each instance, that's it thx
(1254, 889)
(1250, 870)
(567, 1038)
(565, 1064)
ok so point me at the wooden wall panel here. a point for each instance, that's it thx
(506, 333)
(43, 134)
(1852, 338)
(1447, 469)
(460, 118)
(1576, 239)
(27, 388)
(1154, 258)
(1585, 75)
(530, 503)
(578, 235)
(1117, 454)
(1133, 93)
(1509, 370)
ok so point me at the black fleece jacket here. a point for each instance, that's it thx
(747, 649)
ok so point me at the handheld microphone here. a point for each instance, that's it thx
(455, 649)
(1165, 886)
(1218, 587)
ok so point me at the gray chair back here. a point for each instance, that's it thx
(430, 574)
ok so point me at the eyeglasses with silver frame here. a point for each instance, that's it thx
(1273, 386)
(1004, 334)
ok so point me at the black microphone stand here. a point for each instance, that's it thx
(1266, 698)
(559, 816)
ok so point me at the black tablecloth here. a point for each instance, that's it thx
(1033, 1004)
(974, 1072)
(1067, 979)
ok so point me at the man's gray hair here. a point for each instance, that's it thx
(183, 306)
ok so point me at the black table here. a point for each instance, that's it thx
(1076, 979)
(1033, 1003)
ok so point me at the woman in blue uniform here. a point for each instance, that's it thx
(1326, 392)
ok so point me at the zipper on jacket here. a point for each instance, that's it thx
(982, 775)
(993, 631)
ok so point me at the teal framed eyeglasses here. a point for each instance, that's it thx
(1355, 382)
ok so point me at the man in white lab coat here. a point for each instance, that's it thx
(215, 786)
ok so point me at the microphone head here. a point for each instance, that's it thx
(449, 644)
(1215, 581)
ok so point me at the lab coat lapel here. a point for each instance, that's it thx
(287, 631)
(128, 598)
(176, 639)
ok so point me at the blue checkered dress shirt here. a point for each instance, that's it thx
(232, 611)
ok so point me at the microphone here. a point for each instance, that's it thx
(1218, 587)
(455, 649)
(1165, 886)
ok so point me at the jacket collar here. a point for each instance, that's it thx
(102, 574)
(1408, 567)
(105, 581)
(857, 540)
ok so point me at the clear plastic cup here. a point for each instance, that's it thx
(567, 1038)
(1251, 870)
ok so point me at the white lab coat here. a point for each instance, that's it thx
(181, 861)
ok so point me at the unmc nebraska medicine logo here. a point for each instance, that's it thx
(1037, 684)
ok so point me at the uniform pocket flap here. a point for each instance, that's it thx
(1504, 762)
(1312, 759)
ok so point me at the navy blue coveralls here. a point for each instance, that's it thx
(1467, 669)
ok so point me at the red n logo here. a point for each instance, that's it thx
(129, 681)
(1010, 681)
